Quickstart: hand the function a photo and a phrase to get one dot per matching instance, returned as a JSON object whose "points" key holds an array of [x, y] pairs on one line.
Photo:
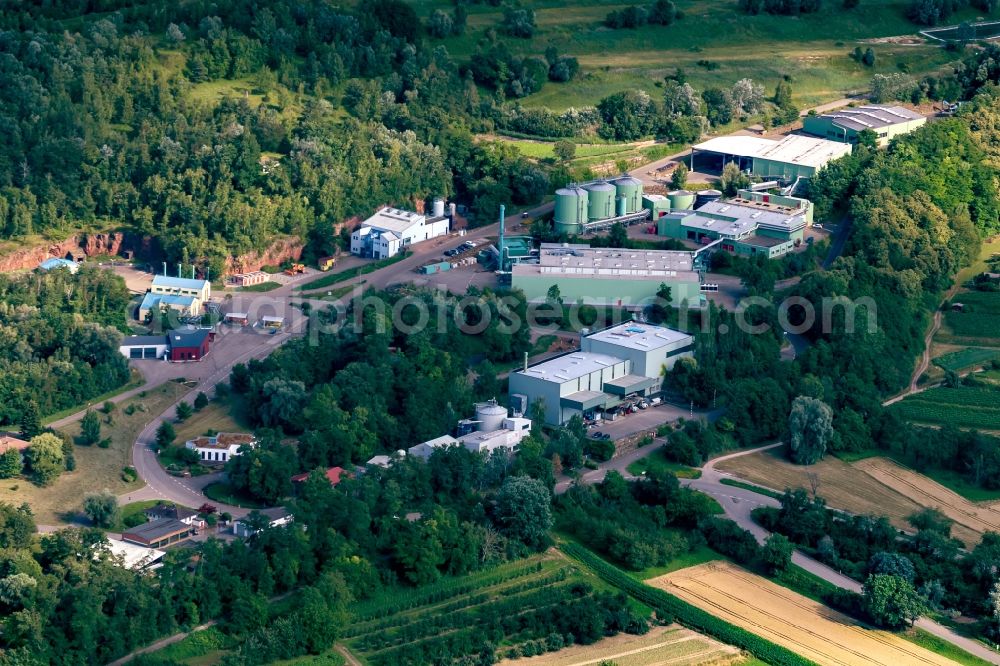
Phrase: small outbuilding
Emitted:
{"points": [[158, 533], [189, 345], [138, 347]]}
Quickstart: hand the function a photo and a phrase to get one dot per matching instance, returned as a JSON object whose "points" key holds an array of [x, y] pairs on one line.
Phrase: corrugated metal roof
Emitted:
{"points": [[178, 283]]}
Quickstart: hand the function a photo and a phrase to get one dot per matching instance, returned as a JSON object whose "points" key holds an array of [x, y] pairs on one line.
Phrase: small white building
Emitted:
{"points": [[391, 230], [509, 437], [276, 517], [220, 448], [385, 461], [55, 263], [136, 558], [425, 449], [144, 346]]}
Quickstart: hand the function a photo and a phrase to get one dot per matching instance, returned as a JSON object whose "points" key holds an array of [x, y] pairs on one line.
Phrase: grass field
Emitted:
{"points": [[662, 645], [807, 627], [843, 486], [96, 468], [224, 416], [976, 518], [657, 461], [751, 487], [544, 149], [812, 49], [263, 286], [962, 406], [943, 648]]}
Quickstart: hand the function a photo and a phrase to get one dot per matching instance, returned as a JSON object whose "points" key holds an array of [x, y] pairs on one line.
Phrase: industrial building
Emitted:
{"points": [[844, 125], [598, 204], [612, 365], [787, 160], [608, 276], [752, 223], [490, 429], [183, 295], [179, 345], [390, 231], [249, 279]]}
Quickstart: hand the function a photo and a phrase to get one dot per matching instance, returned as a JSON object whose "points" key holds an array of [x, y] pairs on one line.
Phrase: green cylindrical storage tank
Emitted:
{"points": [[631, 189], [601, 200], [622, 205], [681, 200], [571, 210]]}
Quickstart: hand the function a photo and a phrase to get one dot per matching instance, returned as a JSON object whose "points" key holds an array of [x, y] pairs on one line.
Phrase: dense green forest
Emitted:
{"points": [[59, 338]]}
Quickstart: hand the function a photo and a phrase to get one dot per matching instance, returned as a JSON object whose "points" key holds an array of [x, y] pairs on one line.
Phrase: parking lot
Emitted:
{"points": [[646, 419]]}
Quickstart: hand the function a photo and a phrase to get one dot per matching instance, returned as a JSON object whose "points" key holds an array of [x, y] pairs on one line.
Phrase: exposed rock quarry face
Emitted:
{"points": [[287, 249], [115, 243]]}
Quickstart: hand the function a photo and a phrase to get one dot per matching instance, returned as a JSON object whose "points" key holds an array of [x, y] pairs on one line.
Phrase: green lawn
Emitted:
{"points": [[226, 494], [657, 461], [931, 642], [812, 49], [263, 286], [335, 278], [699, 555], [751, 487], [544, 149]]}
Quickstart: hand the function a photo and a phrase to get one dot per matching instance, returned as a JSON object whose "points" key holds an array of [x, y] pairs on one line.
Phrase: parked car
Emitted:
{"points": [[598, 435], [655, 401]]}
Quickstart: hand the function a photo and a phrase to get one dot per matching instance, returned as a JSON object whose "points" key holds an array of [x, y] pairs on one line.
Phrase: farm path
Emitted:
{"points": [[738, 503]]}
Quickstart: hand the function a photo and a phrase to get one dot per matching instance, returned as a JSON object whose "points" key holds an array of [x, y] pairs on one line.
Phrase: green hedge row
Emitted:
{"points": [[671, 607]]}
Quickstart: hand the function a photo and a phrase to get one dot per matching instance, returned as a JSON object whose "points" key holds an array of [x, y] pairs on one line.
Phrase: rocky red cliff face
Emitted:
{"points": [[285, 249], [116, 243], [89, 245]]}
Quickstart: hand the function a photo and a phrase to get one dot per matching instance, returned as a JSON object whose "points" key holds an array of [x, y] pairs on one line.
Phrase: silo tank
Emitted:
{"points": [[622, 206], [706, 196], [439, 208], [601, 204], [570, 210], [490, 416], [631, 189], [681, 200]]}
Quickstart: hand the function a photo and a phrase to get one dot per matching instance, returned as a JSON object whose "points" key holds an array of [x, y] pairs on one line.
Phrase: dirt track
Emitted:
{"points": [[804, 626], [971, 519]]}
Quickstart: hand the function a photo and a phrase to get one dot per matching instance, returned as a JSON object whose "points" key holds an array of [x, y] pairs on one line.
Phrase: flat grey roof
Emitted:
{"points": [[804, 151], [570, 366], [763, 241], [143, 340], [156, 529], [751, 216], [640, 336], [872, 116], [608, 263]]}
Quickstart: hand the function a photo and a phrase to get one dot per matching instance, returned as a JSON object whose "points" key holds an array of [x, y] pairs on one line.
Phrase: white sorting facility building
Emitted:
{"points": [[391, 230]]}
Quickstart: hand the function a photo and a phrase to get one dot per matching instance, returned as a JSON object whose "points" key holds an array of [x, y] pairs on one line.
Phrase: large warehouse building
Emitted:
{"points": [[389, 231], [789, 159], [608, 276], [613, 364], [844, 125]]}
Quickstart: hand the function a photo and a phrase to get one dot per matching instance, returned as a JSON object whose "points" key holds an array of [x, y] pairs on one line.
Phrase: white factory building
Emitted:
{"points": [[489, 430], [613, 364], [391, 230]]}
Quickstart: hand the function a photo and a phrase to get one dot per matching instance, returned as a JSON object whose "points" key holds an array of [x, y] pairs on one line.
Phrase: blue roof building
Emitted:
{"points": [[54, 263], [184, 304]]}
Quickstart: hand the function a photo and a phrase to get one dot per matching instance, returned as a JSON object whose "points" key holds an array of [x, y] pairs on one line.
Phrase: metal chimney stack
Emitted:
{"points": [[500, 240]]}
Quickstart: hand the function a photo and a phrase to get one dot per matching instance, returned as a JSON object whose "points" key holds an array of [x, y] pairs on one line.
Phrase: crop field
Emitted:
{"points": [[840, 484], [976, 518], [672, 645], [96, 468], [962, 406], [450, 610], [966, 358], [812, 49], [804, 626]]}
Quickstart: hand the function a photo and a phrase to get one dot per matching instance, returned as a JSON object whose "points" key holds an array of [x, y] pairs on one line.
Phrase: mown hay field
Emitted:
{"points": [[802, 625]]}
